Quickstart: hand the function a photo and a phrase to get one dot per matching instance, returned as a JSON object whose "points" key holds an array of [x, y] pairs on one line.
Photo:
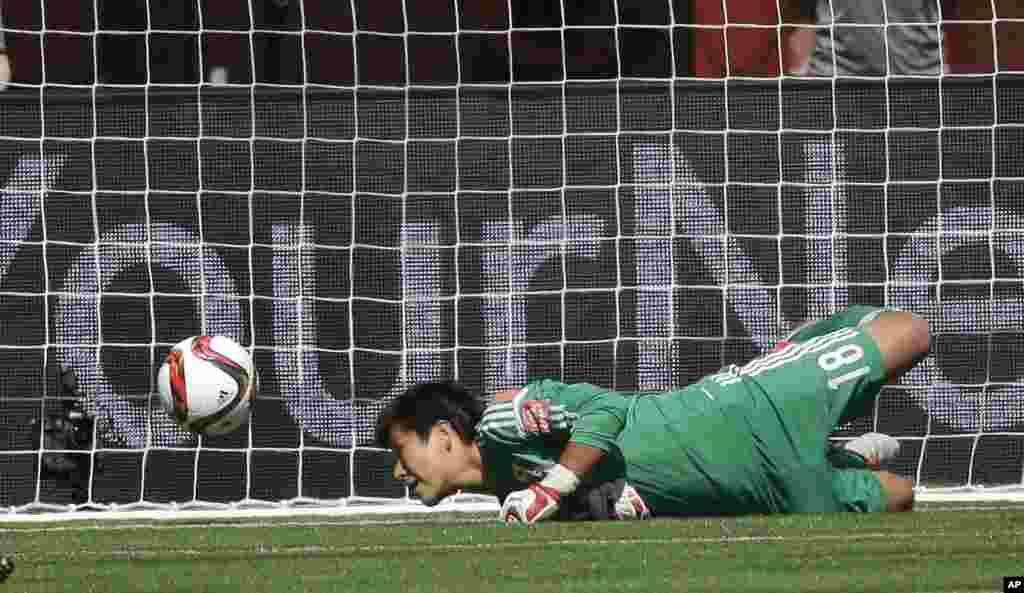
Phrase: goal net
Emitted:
{"points": [[372, 194]]}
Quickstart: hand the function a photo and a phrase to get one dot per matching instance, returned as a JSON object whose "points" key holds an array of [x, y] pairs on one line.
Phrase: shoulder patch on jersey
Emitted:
{"points": [[534, 416], [523, 415]]}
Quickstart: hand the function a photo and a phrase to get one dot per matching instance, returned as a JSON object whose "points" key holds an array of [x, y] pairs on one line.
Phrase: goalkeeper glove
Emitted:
{"points": [[630, 506], [614, 500], [541, 500], [536, 503]]}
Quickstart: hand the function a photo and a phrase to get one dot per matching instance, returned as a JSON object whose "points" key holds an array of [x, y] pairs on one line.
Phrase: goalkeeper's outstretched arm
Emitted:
{"points": [[600, 416], [541, 500], [600, 419]]}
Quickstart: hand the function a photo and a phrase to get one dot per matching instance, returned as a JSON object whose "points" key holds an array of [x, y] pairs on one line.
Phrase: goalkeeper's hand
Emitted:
{"points": [[541, 500], [536, 503]]}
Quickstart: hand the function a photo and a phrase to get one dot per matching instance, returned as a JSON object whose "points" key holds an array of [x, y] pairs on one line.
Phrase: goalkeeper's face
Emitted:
{"points": [[429, 467]]}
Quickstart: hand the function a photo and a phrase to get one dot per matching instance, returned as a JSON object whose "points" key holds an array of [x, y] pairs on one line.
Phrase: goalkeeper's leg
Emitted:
{"points": [[899, 491], [832, 378], [868, 451], [857, 492], [902, 340], [852, 316]]}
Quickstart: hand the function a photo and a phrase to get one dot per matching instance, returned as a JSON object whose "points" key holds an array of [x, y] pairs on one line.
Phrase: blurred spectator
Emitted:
{"points": [[120, 42], [866, 38], [739, 37], [5, 61], [973, 45], [272, 54]]}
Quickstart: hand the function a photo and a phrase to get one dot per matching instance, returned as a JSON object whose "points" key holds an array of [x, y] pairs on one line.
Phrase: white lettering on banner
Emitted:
{"points": [[655, 299], [171, 247], [916, 266], [667, 187], [916, 269], [658, 175], [296, 358], [503, 369], [825, 216], [503, 270], [424, 332], [21, 201]]}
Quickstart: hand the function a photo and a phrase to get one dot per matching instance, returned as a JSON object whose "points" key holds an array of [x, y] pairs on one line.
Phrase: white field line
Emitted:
{"points": [[187, 520], [171, 525], [355, 511], [144, 553], [360, 511]]}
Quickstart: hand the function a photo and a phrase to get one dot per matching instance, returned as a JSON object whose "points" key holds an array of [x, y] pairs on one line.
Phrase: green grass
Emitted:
{"points": [[949, 550]]}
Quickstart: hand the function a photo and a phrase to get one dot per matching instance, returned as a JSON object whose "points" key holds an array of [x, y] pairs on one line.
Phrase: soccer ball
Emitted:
{"points": [[207, 384]]}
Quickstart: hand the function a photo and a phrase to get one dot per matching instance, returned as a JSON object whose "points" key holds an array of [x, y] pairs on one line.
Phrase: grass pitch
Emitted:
{"points": [[934, 550]]}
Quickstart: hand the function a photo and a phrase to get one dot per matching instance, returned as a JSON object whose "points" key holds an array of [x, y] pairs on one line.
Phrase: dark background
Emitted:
{"points": [[411, 145], [187, 41], [768, 222]]}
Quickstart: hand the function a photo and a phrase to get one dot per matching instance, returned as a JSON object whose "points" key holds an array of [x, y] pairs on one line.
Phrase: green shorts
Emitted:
{"points": [[794, 399]]}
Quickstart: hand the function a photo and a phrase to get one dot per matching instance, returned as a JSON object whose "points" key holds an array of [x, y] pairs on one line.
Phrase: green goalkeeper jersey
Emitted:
{"points": [[748, 439]]}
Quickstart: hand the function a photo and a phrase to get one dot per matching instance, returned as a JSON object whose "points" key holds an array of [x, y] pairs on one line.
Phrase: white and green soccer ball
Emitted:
{"points": [[207, 384]]}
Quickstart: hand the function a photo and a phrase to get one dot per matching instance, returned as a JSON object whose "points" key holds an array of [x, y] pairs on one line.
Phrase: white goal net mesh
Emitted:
{"points": [[373, 193]]}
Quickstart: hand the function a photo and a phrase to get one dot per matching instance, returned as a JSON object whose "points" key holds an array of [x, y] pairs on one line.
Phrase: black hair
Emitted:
{"points": [[425, 404]]}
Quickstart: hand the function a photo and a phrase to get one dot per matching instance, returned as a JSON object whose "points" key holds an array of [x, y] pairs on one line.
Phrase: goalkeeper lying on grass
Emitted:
{"points": [[750, 439]]}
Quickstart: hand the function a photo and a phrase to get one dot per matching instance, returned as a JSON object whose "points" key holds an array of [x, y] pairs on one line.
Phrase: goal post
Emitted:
{"points": [[372, 194]]}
